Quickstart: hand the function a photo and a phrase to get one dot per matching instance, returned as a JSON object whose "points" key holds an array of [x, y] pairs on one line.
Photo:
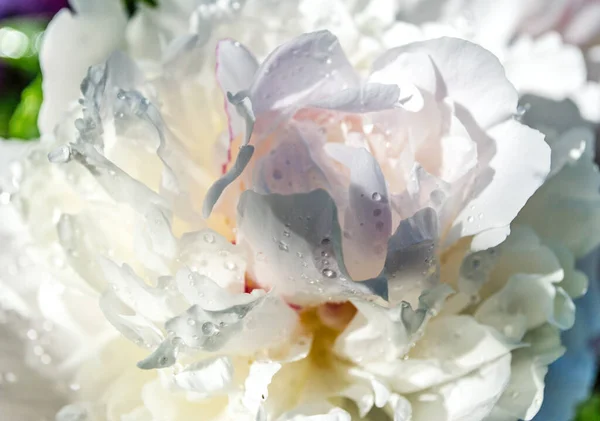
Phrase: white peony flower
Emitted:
{"points": [[336, 242]]}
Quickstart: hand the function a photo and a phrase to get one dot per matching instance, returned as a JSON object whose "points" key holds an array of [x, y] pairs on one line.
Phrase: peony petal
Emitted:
{"points": [[525, 391], [295, 74], [480, 86], [215, 191], [492, 209], [411, 265], [545, 66], [206, 377], [133, 326], [453, 401], [73, 43], [209, 254], [289, 167], [378, 333], [235, 70], [368, 219], [450, 348], [512, 311], [297, 243]]}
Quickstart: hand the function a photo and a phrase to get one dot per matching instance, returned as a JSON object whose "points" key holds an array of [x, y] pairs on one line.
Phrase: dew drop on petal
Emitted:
{"points": [[209, 238], [329, 273], [376, 197], [209, 329], [60, 155], [283, 246], [230, 265]]}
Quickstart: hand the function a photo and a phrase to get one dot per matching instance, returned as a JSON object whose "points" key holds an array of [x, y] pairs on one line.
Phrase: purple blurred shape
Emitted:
{"points": [[9, 8]]}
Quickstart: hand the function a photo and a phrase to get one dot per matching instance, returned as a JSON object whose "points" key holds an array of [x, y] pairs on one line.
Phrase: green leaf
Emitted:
{"points": [[589, 410], [132, 5], [23, 123], [21, 40]]}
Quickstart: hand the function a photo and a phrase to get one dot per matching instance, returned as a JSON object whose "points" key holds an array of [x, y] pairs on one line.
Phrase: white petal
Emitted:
{"points": [[368, 219], [206, 377], [296, 240], [73, 43], [451, 347], [215, 191], [504, 190], [480, 85], [524, 394], [513, 312], [379, 334], [469, 398], [294, 74], [209, 254], [411, 265], [235, 70]]}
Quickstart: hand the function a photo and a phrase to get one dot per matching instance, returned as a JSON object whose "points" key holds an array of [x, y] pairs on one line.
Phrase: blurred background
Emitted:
{"points": [[22, 25]]}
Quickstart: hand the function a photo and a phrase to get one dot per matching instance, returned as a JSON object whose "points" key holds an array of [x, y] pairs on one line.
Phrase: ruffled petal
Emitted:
{"points": [[70, 48], [296, 240], [480, 87]]}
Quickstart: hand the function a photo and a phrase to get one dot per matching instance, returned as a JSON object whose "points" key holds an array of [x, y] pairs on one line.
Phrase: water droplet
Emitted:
{"points": [[10, 377], [325, 241], [376, 197], [32, 334], [209, 329], [286, 233], [437, 197], [191, 322], [209, 238], [300, 255], [230, 265], [470, 219], [324, 253], [283, 246], [377, 212], [329, 273], [480, 216], [60, 155], [119, 114], [121, 94]]}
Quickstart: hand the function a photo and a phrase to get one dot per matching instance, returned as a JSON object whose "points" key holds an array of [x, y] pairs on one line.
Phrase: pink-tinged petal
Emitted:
{"points": [[289, 166], [215, 191], [368, 218], [308, 68], [235, 69], [364, 98], [503, 191], [465, 72], [585, 25], [296, 241]]}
